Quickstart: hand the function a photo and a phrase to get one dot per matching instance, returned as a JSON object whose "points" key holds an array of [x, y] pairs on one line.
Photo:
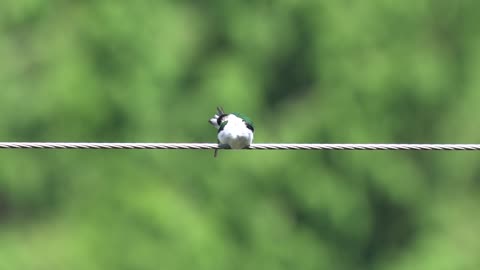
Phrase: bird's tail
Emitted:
{"points": [[214, 119]]}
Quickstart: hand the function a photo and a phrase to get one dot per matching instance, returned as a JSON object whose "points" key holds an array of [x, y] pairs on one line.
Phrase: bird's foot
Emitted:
{"points": [[224, 146]]}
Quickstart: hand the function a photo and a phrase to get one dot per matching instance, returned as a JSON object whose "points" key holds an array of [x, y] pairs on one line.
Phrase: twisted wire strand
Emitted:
{"points": [[258, 146]]}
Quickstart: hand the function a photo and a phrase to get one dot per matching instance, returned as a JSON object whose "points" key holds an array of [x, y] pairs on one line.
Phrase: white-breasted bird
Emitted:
{"points": [[235, 130]]}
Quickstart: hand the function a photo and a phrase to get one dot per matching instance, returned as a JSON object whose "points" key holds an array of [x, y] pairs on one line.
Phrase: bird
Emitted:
{"points": [[235, 130]]}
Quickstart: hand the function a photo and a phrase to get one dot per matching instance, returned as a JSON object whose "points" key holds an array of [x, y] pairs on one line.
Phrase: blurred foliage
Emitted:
{"points": [[304, 71]]}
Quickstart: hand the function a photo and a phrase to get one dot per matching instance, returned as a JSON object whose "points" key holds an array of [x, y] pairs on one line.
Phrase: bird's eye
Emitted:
{"points": [[221, 119]]}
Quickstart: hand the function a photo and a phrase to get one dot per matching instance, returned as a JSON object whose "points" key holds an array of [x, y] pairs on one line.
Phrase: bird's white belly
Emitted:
{"points": [[236, 137]]}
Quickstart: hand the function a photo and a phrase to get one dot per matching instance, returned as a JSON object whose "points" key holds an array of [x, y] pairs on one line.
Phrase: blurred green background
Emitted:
{"points": [[305, 72]]}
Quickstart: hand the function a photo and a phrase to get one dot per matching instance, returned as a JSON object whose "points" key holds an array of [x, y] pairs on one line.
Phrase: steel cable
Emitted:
{"points": [[257, 146]]}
